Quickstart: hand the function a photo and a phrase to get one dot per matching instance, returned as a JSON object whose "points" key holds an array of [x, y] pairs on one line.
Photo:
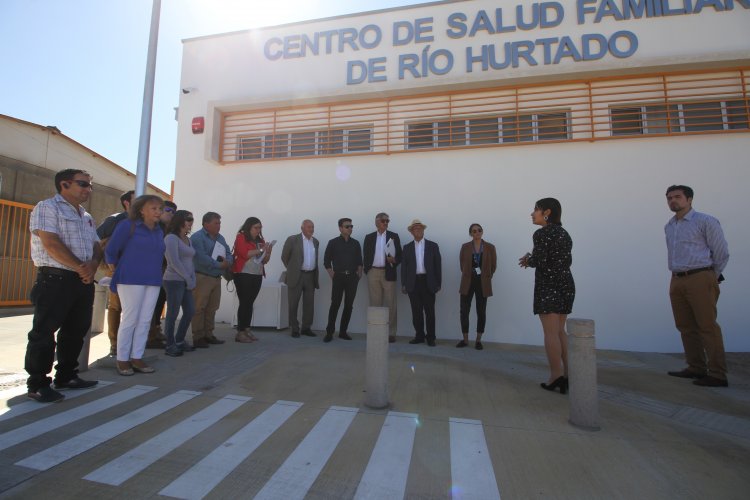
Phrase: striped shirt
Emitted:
{"points": [[75, 228], [694, 242]]}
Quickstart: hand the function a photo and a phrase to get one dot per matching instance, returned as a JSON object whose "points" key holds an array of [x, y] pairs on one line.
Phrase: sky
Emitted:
{"points": [[80, 65]]}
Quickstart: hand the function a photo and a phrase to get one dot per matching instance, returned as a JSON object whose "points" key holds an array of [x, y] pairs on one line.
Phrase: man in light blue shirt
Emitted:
{"points": [[697, 255], [212, 258]]}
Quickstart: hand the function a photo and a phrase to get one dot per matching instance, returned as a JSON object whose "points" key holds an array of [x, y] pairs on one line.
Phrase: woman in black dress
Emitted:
{"points": [[554, 288]]}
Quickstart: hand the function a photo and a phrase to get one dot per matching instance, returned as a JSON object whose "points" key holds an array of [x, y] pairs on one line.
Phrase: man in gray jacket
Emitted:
{"points": [[300, 256]]}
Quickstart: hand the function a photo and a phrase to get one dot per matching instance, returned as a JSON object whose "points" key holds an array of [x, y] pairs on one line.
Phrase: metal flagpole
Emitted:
{"points": [[144, 143]]}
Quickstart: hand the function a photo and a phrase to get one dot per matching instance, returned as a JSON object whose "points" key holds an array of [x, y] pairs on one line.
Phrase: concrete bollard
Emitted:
{"points": [[97, 325], [583, 396], [83, 357], [376, 365]]}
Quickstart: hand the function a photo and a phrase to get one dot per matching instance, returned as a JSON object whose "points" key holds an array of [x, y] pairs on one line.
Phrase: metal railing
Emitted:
{"points": [[667, 104], [17, 271]]}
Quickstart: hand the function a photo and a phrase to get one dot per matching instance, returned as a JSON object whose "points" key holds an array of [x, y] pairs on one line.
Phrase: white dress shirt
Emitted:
{"points": [[419, 250], [308, 248], [379, 258]]}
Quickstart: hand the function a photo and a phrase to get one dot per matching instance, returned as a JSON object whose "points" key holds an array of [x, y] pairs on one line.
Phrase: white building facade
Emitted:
{"points": [[470, 111]]}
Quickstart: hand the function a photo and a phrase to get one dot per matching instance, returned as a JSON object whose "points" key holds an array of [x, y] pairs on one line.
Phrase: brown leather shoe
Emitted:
{"points": [[686, 373], [242, 337], [201, 343], [214, 340], [709, 381]]}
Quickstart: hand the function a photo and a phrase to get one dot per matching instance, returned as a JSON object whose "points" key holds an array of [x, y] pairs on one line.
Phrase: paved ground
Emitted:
{"points": [[284, 418]]}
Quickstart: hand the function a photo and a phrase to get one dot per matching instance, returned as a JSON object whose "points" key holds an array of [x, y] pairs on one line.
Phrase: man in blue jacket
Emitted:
{"points": [[212, 258]]}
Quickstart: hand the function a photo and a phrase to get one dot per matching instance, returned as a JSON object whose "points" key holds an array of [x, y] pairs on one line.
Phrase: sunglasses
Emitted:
{"points": [[83, 184], [476, 230], [169, 210], [348, 227], [385, 221], [189, 219]]}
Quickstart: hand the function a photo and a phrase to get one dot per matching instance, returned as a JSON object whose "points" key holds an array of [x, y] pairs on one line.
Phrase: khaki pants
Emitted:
{"points": [[207, 295], [383, 294], [694, 299]]}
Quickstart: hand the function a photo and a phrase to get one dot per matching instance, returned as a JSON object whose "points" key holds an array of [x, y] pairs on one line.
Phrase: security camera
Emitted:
{"points": [[187, 90]]}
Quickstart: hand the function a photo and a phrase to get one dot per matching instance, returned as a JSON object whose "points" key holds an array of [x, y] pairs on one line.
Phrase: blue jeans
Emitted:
{"points": [[177, 296]]}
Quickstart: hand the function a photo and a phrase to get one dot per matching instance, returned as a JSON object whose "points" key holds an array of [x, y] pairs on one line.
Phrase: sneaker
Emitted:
{"points": [[46, 394], [75, 383]]}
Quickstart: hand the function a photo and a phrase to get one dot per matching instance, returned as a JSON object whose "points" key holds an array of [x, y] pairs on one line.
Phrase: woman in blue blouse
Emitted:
{"points": [[135, 252], [179, 280]]}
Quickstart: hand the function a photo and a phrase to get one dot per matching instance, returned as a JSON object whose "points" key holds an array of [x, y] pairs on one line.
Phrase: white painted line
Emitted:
{"points": [[472, 475], [71, 416], [199, 480], [26, 407], [128, 465], [388, 468], [295, 476], [66, 450]]}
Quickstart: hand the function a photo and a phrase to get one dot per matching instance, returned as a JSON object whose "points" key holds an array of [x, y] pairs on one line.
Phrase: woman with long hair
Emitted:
{"points": [[136, 251], [179, 280], [554, 288], [250, 255], [478, 262]]}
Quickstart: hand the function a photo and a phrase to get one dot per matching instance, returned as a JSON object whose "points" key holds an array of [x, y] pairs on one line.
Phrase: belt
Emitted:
{"points": [[682, 274], [377, 267], [57, 271], [303, 271], [345, 273]]}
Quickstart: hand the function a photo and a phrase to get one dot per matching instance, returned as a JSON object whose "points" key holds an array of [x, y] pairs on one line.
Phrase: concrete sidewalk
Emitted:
{"points": [[284, 418]]}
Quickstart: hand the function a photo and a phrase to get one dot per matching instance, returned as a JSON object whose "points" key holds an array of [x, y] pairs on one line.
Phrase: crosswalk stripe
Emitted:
{"points": [[126, 466], [472, 474], [26, 407], [388, 468], [295, 476], [66, 450], [203, 477], [71, 416]]}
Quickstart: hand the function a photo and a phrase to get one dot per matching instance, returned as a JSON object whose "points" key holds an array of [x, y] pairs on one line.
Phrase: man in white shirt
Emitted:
{"points": [[300, 257], [380, 265], [421, 279]]}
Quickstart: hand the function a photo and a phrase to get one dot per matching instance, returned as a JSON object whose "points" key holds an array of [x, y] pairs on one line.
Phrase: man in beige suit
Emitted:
{"points": [[300, 256]]}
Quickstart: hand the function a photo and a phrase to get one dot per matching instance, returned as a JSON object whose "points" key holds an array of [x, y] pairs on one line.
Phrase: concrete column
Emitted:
{"points": [[376, 365], [83, 357], [583, 396], [97, 325]]}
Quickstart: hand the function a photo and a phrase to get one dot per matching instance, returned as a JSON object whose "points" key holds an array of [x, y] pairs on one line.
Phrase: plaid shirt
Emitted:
{"points": [[75, 228]]}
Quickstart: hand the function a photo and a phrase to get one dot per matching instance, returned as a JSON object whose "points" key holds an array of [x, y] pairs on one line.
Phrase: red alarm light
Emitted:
{"points": [[198, 125]]}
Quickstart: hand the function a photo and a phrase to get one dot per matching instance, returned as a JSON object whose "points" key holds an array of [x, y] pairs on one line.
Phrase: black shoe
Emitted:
{"points": [[461, 343], [295, 335], [76, 383], [174, 352], [344, 336], [308, 333], [709, 381], [478, 345], [214, 340], [328, 337], [416, 341], [186, 347], [391, 339], [686, 373], [46, 394], [201, 343], [431, 342], [559, 382]]}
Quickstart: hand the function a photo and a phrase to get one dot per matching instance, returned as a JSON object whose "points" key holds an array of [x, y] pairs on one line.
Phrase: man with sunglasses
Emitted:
{"points": [[382, 255], [65, 249], [343, 261], [104, 231], [156, 339]]}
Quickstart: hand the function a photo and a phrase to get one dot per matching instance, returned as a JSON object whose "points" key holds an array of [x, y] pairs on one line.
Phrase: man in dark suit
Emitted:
{"points": [[382, 251], [300, 256], [343, 261], [421, 278]]}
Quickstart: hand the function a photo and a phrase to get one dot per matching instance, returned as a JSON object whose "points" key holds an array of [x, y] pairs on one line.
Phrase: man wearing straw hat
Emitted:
{"points": [[421, 278]]}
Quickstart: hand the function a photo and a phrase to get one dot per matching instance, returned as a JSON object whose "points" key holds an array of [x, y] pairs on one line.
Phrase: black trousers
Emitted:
{"points": [[422, 308], [474, 289], [248, 288], [344, 286], [61, 302]]}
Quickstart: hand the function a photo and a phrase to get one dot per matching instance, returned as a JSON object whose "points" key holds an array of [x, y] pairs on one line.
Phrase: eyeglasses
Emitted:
{"points": [[348, 227], [84, 184], [476, 230], [385, 221], [189, 219], [169, 210]]}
